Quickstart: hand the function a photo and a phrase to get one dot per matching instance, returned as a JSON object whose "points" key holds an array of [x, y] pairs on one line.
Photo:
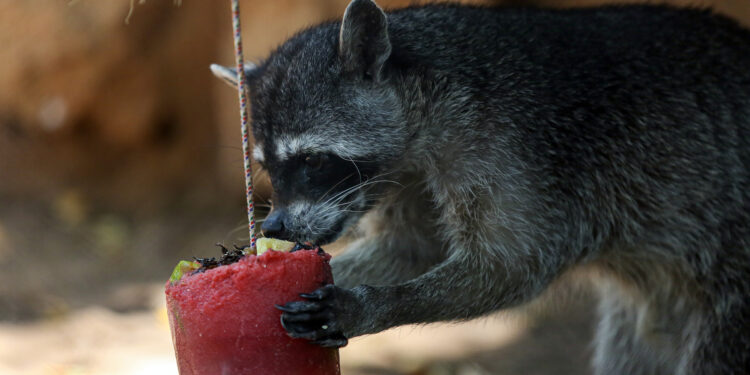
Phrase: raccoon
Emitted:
{"points": [[484, 153]]}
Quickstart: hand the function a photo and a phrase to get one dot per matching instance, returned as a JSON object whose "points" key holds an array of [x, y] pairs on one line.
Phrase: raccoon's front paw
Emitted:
{"points": [[319, 317]]}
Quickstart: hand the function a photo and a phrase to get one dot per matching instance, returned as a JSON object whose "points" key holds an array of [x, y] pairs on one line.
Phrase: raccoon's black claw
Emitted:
{"points": [[317, 318], [332, 343], [300, 307], [318, 295]]}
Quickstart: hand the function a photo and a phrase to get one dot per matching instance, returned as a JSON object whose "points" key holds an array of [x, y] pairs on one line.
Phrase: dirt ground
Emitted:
{"points": [[98, 340]]}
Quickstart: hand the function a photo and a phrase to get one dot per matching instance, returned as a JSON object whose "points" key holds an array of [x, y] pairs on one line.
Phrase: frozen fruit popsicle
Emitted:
{"points": [[223, 318]]}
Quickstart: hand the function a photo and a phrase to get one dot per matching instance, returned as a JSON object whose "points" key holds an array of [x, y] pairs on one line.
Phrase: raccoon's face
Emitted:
{"points": [[327, 124], [317, 195]]}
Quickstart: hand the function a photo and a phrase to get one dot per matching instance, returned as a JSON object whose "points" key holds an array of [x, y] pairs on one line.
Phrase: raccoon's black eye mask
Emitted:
{"points": [[316, 161]]}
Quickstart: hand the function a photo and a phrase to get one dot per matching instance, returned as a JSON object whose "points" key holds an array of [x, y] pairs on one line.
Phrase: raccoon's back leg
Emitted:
{"points": [[723, 342], [626, 341]]}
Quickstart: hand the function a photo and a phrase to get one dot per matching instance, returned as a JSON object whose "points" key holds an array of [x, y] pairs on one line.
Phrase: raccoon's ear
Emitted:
{"points": [[364, 45], [229, 75]]}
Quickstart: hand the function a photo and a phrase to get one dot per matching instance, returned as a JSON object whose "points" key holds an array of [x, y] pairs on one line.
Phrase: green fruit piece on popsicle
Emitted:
{"points": [[264, 244], [183, 268]]}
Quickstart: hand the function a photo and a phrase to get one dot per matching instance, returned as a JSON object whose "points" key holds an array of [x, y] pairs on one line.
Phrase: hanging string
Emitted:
{"points": [[243, 115]]}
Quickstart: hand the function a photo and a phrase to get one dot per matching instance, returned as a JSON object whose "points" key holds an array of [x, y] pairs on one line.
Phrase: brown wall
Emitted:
{"points": [[128, 115]]}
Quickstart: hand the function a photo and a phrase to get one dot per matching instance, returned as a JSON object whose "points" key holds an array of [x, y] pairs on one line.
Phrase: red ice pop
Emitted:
{"points": [[223, 320]]}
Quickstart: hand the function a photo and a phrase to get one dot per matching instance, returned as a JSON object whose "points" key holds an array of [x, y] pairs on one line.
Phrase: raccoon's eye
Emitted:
{"points": [[315, 161]]}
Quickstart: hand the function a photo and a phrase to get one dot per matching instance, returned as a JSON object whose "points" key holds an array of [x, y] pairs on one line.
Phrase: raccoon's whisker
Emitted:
{"points": [[340, 196], [346, 204], [334, 203], [376, 177], [309, 227], [234, 231], [364, 183], [357, 186], [258, 171], [328, 212], [262, 202], [333, 187], [356, 167], [354, 211]]}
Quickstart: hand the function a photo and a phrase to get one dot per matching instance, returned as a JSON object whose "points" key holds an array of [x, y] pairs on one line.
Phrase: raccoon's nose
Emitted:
{"points": [[274, 224]]}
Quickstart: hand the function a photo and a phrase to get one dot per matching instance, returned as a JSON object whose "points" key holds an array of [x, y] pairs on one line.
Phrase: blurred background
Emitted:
{"points": [[120, 154]]}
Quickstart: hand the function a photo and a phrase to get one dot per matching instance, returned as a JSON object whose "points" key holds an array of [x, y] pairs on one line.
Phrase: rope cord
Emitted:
{"points": [[244, 116]]}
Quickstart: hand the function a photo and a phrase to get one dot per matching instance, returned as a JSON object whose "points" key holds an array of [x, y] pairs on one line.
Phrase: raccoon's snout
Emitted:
{"points": [[274, 225]]}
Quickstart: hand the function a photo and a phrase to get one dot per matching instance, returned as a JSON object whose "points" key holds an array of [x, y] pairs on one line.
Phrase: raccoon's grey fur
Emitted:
{"points": [[494, 150]]}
